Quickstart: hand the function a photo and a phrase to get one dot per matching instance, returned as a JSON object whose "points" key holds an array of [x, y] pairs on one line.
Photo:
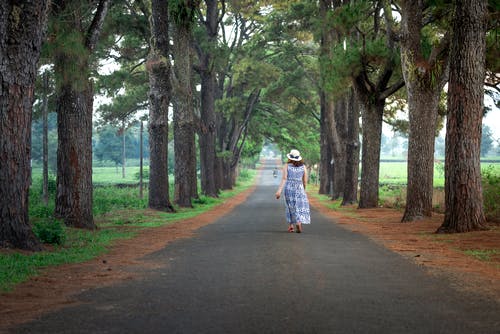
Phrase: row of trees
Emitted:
{"points": [[296, 73]]}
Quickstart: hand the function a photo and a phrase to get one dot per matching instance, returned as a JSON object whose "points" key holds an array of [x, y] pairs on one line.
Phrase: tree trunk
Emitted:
{"points": [[422, 111], [207, 133], [21, 33], [424, 80], [220, 146], [339, 155], [141, 161], [160, 89], [184, 128], [74, 155], [45, 112], [352, 152], [463, 190], [371, 115], [124, 155], [74, 108], [333, 143], [325, 156], [219, 173], [227, 175], [327, 159]]}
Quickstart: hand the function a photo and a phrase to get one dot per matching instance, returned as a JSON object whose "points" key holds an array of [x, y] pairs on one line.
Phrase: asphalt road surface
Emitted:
{"points": [[246, 274]]}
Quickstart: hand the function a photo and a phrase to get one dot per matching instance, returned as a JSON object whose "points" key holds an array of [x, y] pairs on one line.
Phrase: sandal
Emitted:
{"points": [[299, 229], [290, 229]]}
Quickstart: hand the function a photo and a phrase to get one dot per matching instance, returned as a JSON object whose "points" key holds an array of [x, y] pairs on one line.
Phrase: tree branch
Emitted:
{"points": [[96, 26], [391, 90]]}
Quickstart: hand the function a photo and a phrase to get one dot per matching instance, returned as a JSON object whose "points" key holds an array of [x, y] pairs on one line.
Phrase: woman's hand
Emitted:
{"points": [[278, 194]]}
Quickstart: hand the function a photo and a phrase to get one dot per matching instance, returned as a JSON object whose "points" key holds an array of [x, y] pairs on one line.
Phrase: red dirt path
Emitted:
{"points": [[441, 254]]}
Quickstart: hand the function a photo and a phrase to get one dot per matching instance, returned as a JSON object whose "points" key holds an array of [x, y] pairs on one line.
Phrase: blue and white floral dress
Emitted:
{"points": [[297, 204]]}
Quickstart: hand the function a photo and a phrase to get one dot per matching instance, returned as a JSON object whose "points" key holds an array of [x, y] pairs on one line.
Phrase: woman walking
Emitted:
{"points": [[294, 180]]}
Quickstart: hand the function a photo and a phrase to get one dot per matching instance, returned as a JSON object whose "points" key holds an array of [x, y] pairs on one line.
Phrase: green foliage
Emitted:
{"points": [[37, 140], [145, 174], [111, 198], [250, 154], [125, 46], [108, 144], [246, 175], [65, 45], [439, 168], [339, 67], [491, 192], [252, 74], [492, 37], [183, 12], [231, 106], [345, 17], [204, 200], [50, 232], [486, 140]]}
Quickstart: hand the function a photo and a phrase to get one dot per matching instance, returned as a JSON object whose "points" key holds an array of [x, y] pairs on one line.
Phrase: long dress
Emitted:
{"points": [[297, 204]]}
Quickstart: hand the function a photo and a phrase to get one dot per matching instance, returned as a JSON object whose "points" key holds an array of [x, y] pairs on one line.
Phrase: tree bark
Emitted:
{"points": [[207, 135], [327, 159], [352, 152], [207, 131], [124, 151], [75, 98], [45, 121], [184, 127], [74, 155], [422, 111], [463, 190], [339, 144], [159, 97], [141, 162], [424, 80], [325, 153], [371, 115], [22, 29]]}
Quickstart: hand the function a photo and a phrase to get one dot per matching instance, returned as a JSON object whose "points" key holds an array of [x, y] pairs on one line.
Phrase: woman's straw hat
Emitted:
{"points": [[294, 155]]}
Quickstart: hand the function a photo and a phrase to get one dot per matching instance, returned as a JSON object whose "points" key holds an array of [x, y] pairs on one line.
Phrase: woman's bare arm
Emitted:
{"points": [[304, 177], [283, 180]]}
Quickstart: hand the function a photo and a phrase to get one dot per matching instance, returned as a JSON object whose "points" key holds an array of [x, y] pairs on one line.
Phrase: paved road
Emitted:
{"points": [[246, 274]]}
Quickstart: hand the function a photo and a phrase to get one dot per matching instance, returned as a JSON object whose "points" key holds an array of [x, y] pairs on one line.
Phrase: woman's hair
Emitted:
{"points": [[295, 163]]}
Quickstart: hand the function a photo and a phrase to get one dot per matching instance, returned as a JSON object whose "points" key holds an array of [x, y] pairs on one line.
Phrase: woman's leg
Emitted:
{"points": [[299, 227]]}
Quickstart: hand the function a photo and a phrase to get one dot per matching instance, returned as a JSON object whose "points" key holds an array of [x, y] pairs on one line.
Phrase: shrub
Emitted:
{"points": [[245, 175], [491, 193], [50, 231], [145, 174]]}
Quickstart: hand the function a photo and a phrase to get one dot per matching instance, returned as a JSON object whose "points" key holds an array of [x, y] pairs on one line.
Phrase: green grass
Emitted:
{"points": [[80, 246], [396, 172], [107, 175], [483, 255], [118, 213]]}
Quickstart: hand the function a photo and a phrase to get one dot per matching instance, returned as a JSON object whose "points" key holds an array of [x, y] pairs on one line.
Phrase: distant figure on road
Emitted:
{"points": [[294, 180], [275, 172]]}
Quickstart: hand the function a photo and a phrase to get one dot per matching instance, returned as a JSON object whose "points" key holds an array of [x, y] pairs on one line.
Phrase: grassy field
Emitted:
{"points": [[396, 172], [107, 175]]}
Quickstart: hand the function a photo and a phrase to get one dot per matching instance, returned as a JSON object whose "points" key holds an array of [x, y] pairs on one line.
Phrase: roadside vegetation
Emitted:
{"points": [[392, 194], [118, 213], [392, 191]]}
